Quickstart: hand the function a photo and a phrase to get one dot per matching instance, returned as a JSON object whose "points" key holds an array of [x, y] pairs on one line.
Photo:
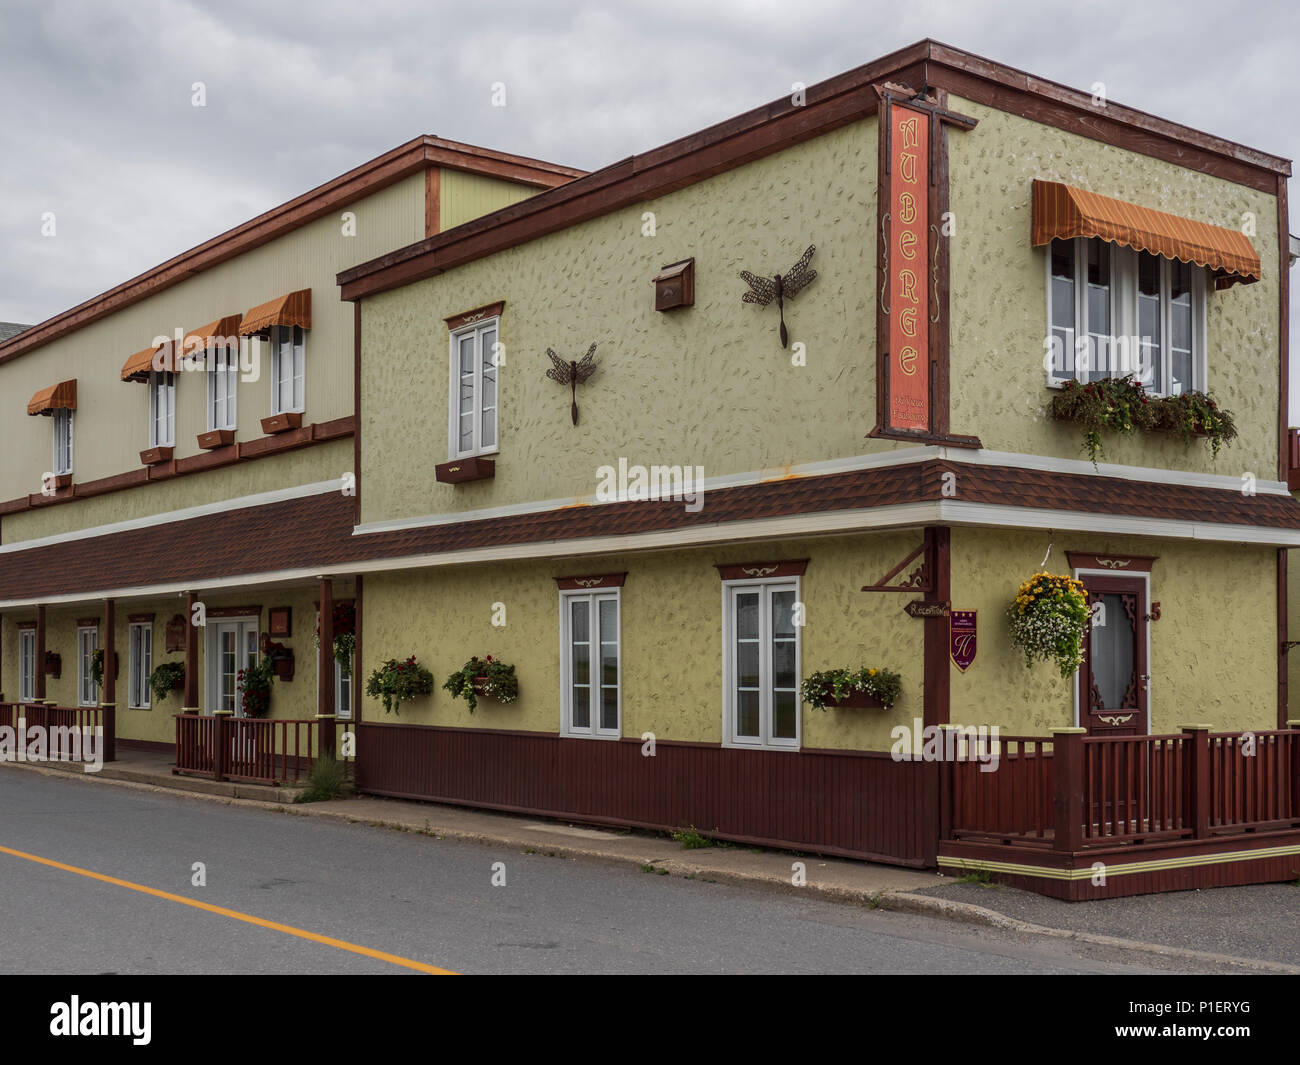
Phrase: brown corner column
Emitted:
{"points": [[108, 692], [935, 707], [38, 689], [191, 654], [325, 715], [1283, 696]]}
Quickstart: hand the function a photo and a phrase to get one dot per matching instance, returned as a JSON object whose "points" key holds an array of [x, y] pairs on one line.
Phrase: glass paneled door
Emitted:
{"points": [[1113, 680], [232, 646]]}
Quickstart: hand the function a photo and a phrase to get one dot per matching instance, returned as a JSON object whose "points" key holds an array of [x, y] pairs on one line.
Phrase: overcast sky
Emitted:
{"points": [[97, 123]]}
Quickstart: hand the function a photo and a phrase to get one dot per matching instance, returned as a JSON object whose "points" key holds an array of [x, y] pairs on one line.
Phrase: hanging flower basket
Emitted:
{"points": [[255, 687], [485, 677], [344, 617], [1049, 619], [396, 682], [846, 688], [166, 678]]}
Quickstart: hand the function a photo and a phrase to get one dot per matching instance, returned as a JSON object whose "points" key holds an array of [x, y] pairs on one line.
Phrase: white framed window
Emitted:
{"points": [[139, 650], [62, 441], [288, 359], [343, 689], [473, 407], [591, 675], [223, 377], [162, 409], [87, 689], [1129, 312], [761, 664], [26, 665]]}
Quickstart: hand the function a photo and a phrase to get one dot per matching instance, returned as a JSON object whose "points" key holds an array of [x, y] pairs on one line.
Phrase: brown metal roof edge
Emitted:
{"points": [[381, 273], [414, 156]]}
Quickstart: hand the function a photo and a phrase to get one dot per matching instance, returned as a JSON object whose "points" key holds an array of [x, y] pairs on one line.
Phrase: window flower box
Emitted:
{"points": [[876, 689], [215, 438], [460, 470], [488, 678], [281, 423], [854, 701], [53, 664], [154, 456]]}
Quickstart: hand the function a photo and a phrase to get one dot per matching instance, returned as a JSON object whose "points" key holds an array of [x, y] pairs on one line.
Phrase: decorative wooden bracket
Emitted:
{"points": [[916, 581]]}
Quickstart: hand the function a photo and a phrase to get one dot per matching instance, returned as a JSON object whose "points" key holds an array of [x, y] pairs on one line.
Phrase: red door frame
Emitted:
{"points": [[1093, 718]]}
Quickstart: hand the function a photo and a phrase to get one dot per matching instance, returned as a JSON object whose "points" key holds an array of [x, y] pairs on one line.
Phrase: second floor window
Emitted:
{"points": [[474, 389], [1114, 311], [162, 409], [62, 441], [223, 375], [288, 345]]}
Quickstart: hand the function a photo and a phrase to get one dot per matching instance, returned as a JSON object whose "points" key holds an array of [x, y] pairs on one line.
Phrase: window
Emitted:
{"points": [[1128, 312], [62, 441], [590, 664], [760, 654], [223, 375], [139, 665], [87, 689], [26, 665], [162, 409], [343, 690], [474, 390], [287, 350]]}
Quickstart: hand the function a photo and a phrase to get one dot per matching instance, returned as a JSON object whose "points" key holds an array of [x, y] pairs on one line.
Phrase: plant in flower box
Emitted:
{"points": [[397, 682], [1049, 619], [344, 617], [851, 688], [97, 666], [255, 686], [1192, 414], [166, 678], [483, 676]]}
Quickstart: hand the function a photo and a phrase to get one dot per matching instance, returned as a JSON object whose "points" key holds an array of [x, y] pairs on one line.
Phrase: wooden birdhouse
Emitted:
{"points": [[675, 286]]}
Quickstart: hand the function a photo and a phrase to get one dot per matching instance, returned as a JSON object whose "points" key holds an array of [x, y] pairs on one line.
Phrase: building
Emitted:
{"points": [[755, 470]]}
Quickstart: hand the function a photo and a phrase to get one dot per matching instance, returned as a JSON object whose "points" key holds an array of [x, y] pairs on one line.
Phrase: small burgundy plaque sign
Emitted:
{"points": [[962, 631]]}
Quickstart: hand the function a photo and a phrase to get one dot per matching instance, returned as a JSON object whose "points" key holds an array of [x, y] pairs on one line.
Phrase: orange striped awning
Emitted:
{"points": [[62, 396], [293, 309], [140, 365], [1062, 211], [226, 326]]}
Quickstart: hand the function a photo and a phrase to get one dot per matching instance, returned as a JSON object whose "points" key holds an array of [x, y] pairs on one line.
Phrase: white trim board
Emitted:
{"points": [[947, 512]]}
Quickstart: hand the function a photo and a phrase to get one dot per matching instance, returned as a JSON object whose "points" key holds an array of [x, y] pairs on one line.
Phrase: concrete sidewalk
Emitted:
{"points": [[1159, 918]]}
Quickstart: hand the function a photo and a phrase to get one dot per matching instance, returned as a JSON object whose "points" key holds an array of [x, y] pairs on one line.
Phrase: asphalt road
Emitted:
{"points": [[420, 901]]}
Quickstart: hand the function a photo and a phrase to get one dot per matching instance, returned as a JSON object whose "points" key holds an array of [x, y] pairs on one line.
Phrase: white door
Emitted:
{"points": [[232, 646]]}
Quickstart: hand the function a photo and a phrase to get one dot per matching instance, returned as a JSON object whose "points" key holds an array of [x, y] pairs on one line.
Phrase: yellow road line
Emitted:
{"points": [[261, 922]]}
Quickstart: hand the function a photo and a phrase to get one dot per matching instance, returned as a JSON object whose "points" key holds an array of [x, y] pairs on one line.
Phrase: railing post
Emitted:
{"points": [[109, 741], [1067, 750], [1198, 779], [220, 743], [1294, 762]]}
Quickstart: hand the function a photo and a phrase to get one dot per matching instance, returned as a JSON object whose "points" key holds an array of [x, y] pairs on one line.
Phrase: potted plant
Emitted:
{"points": [[255, 686], [395, 682], [864, 687], [1196, 414], [1049, 619], [488, 677], [281, 657], [165, 678], [344, 617], [53, 664]]}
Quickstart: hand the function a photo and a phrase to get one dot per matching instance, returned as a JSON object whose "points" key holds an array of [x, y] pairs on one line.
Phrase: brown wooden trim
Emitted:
{"points": [[144, 745], [1284, 331], [1283, 559], [215, 438], [88, 623], [154, 456], [432, 200], [281, 423], [884, 124], [316, 433], [413, 157], [356, 410], [478, 314], [1116, 563], [936, 699], [741, 571], [458, 471], [358, 689], [591, 581], [25, 624], [38, 687], [971, 443], [139, 619], [253, 610]]}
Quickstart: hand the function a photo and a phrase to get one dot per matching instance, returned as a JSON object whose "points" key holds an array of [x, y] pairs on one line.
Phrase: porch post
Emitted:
{"points": [[191, 655], [38, 690], [1198, 779], [325, 715], [1067, 751], [935, 709], [108, 694]]}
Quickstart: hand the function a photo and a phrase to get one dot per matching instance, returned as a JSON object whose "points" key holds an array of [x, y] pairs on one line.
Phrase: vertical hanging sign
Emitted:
{"points": [[908, 234]]}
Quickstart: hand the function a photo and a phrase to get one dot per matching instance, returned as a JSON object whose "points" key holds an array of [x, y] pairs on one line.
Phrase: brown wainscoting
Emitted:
{"points": [[147, 745], [858, 804]]}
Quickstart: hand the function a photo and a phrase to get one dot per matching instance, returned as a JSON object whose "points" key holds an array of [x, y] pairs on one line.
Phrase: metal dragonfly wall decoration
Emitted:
{"points": [[572, 373], [762, 290]]}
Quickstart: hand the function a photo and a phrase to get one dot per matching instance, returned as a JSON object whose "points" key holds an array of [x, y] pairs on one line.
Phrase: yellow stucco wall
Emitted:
{"points": [[708, 385], [1213, 656], [999, 294]]}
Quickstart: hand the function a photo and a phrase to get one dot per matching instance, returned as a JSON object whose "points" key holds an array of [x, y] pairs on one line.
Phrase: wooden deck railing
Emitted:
{"points": [[60, 722], [1072, 792], [260, 751]]}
